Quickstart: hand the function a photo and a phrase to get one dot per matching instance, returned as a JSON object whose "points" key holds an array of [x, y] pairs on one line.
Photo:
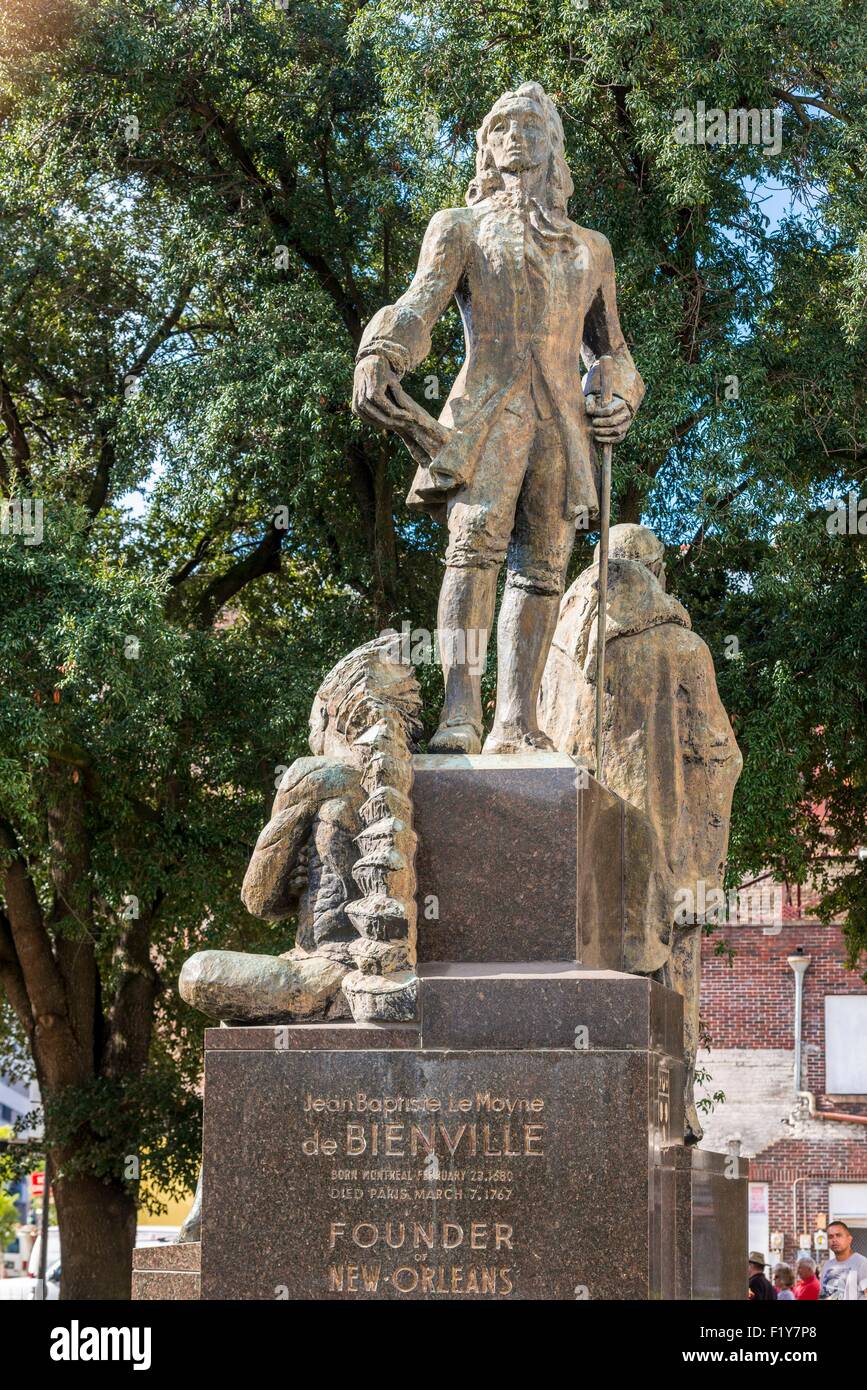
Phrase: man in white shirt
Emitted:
{"points": [[845, 1276]]}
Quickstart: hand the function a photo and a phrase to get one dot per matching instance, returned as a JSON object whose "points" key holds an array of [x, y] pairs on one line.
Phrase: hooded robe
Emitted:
{"points": [[668, 747]]}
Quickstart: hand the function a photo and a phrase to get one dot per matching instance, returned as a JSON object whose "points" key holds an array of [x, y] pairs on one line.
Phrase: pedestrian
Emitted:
{"points": [[761, 1287], [807, 1287], [784, 1282], [844, 1276]]}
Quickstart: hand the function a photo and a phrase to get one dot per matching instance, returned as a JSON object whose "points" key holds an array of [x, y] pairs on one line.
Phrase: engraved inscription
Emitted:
{"points": [[462, 1151]]}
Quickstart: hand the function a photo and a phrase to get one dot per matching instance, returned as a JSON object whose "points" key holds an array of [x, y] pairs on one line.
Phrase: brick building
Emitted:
{"points": [[807, 1157]]}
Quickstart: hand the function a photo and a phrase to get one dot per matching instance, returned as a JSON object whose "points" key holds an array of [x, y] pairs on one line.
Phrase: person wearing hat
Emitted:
{"points": [[761, 1287]]}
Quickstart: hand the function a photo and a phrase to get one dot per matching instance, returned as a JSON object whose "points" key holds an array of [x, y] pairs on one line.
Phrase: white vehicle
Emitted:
{"points": [[28, 1288], [53, 1251], [157, 1235]]}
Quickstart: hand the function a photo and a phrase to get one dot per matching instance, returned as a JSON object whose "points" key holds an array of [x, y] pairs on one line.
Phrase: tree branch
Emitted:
{"points": [[12, 978], [160, 334], [17, 437], [102, 477], [332, 208], [199, 554], [264, 559], [686, 425], [349, 311], [55, 1047], [687, 556], [71, 920], [799, 101], [130, 1020]]}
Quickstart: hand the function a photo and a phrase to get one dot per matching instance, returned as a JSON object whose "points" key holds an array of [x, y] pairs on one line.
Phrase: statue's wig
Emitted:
{"points": [[558, 186]]}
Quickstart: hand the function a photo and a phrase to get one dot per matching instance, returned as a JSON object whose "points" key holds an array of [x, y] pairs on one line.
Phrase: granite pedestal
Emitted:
{"points": [[521, 1140], [712, 1223], [492, 1168], [519, 858]]}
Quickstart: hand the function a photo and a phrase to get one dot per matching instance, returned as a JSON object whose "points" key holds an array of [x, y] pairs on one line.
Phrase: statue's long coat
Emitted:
{"points": [[535, 292]]}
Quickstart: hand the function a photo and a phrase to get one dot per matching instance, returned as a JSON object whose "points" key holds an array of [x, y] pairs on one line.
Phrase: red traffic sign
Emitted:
{"points": [[37, 1185]]}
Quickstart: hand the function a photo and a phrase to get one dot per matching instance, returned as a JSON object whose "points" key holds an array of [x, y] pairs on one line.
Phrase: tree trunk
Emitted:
{"points": [[385, 542], [373, 492], [98, 1224], [630, 502]]}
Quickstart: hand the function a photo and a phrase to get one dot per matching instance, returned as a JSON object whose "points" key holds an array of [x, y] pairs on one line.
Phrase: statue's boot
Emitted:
{"points": [[524, 632], [245, 988], [514, 741], [456, 736], [465, 615]]}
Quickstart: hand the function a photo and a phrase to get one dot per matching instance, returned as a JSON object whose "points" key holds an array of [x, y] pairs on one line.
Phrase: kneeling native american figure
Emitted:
{"points": [[339, 845]]}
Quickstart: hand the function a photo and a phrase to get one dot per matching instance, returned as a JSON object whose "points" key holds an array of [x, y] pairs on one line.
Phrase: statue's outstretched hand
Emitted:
{"points": [[608, 423], [374, 376], [379, 397]]}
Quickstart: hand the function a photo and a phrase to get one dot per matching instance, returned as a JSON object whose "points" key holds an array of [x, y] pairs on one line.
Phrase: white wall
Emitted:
{"points": [[846, 1044], [847, 1201], [15, 1098]]}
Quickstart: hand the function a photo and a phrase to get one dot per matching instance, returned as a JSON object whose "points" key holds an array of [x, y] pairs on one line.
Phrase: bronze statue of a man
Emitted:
{"points": [[509, 465]]}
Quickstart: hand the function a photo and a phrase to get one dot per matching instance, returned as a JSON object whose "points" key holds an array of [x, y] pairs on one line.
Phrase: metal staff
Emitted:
{"points": [[603, 394]]}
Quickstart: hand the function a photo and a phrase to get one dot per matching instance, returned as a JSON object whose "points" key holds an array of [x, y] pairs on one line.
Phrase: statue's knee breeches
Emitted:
{"points": [[538, 558], [481, 516], [478, 534], [542, 536], [536, 579], [473, 552]]}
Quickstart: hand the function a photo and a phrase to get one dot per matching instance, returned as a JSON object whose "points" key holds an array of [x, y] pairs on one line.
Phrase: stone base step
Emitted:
{"points": [[545, 1004]]}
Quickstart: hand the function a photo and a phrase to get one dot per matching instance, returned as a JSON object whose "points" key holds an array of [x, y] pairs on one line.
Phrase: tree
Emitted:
{"points": [[200, 208]]}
